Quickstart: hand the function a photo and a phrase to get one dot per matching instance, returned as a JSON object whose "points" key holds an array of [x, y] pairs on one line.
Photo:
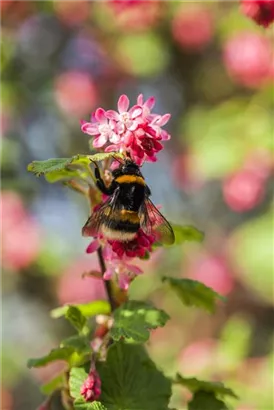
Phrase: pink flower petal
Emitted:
{"points": [[99, 141], [112, 115], [150, 103], [88, 128], [134, 269], [112, 147], [93, 246], [128, 138], [124, 281], [120, 128], [123, 103], [132, 125], [114, 138], [165, 136], [162, 120], [157, 146], [151, 158], [135, 111], [108, 274], [140, 99], [100, 115]]}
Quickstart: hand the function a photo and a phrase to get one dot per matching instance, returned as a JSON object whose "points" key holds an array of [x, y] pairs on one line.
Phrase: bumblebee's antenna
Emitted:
{"points": [[117, 159]]}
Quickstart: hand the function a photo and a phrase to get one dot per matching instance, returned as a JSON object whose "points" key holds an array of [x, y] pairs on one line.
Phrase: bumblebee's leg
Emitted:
{"points": [[100, 182]]}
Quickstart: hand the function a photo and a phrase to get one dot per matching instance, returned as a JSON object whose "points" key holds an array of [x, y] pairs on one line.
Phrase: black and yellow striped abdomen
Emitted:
{"points": [[122, 225], [124, 222]]}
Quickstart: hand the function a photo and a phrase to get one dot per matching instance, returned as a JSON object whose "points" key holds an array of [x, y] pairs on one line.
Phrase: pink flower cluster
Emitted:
{"points": [[138, 247], [91, 388], [118, 256], [134, 130]]}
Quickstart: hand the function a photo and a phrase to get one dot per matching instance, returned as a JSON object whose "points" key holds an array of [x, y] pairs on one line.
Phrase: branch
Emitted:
{"points": [[107, 283]]}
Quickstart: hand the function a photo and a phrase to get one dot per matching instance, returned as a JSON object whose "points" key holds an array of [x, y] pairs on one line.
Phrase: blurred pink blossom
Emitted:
{"points": [[243, 190], [72, 288], [192, 27], [261, 11], [6, 399], [198, 357], [75, 93], [45, 374], [247, 58], [213, 271], [21, 236], [73, 12], [133, 130], [136, 15]]}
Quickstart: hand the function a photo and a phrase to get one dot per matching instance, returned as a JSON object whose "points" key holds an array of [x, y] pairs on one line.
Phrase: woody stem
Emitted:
{"points": [[107, 283]]}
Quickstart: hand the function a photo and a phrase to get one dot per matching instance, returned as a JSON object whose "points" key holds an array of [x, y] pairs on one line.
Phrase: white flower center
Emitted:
{"points": [[104, 129], [125, 116]]}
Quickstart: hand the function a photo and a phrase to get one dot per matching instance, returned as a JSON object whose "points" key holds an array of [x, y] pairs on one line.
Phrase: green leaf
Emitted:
{"points": [[81, 404], [64, 174], [134, 319], [195, 385], [99, 307], [194, 293], [78, 343], [61, 353], [187, 233], [76, 318], [50, 165], [54, 384], [206, 401], [130, 380], [56, 165], [76, 378]]}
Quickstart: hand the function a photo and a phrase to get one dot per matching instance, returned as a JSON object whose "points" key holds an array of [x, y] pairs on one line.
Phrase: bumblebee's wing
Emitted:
{"points": [[152, 221], [94, 222]]}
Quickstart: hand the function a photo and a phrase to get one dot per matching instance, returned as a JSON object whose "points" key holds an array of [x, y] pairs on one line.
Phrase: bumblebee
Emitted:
{"points": [[128, 208]]}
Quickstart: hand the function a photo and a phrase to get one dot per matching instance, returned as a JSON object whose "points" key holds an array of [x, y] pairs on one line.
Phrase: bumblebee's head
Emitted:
{"points": [[129, 167]]}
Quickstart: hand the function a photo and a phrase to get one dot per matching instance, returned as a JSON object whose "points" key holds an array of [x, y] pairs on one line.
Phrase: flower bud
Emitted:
{"points": [[91, 388]]}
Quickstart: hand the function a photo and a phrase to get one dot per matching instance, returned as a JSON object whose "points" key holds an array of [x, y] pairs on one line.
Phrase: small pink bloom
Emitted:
{"points": [[91, 388], [261, 11], [125, 120], [101, 128], [123, 271]]}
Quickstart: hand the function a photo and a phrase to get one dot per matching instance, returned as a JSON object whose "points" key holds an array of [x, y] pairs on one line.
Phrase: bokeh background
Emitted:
{"points": [[210, 67]]}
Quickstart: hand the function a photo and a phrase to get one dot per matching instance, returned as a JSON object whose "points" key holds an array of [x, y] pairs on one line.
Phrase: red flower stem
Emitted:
{"points": [[106, 282]]}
